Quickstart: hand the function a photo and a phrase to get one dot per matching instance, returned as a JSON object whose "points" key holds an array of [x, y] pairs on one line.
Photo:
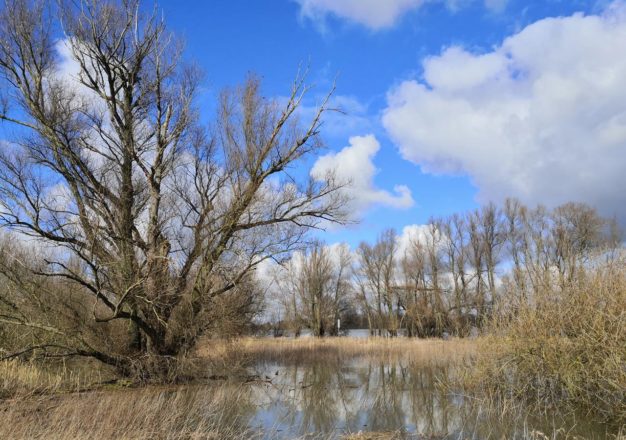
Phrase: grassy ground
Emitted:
{"points": [[24, 379]]}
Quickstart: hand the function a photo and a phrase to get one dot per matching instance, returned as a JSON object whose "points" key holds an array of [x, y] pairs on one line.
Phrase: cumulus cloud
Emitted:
{"points": [[354, 164], [541, 117], [377, 14]]}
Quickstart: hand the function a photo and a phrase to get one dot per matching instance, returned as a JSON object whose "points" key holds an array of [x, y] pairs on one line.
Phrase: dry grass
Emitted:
{"points": [[23, 379], [396, 435], [566, 349], [223, 410], [247, 351], [19, 379], [147, 413]]}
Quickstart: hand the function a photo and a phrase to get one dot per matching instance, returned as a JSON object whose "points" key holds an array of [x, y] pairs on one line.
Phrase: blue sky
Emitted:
{"points": [[445, 65]]}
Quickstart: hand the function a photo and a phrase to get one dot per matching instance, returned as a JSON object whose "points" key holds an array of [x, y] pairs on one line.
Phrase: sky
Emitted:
{"points": [[447, 104]]}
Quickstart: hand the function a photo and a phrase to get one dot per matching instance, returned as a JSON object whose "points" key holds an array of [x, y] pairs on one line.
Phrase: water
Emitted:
{"points": [[318, 394], [327, 400], [361, 333]]}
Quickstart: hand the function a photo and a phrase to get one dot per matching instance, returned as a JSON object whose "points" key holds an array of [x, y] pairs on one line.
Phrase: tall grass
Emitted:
{"points": [[146, 413], [249, 351], [23, 379], [20, 378], [226, 409], [564, 347]]}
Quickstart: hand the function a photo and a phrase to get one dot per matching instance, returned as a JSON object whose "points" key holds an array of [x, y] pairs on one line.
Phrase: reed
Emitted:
{"points": [[145, 413], [565, 348], [249, 351], [23, 379]]}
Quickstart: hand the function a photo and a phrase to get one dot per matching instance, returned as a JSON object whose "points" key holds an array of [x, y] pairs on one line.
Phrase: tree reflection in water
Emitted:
{"points": [[331, 398]]}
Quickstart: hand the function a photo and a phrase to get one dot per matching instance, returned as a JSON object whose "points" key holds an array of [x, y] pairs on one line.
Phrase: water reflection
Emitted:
{"points": [[328, 399]]}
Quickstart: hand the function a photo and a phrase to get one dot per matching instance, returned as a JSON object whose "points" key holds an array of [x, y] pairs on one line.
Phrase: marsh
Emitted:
{"points": [[307, 388]]}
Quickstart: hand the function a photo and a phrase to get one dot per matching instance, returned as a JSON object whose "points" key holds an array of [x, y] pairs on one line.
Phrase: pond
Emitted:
{"points": [[329, 400], [314, 390], [361, 333]]}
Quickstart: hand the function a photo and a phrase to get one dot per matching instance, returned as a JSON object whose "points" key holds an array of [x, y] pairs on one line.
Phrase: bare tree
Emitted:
{"points": [[342, 286], [514, 214], [476, 258], [415, 289], [537, 248], [316, 285], [434, 251], [456, 249], [577, 229], [363, 295], [492, 239], [156, 215], [378, 272]]}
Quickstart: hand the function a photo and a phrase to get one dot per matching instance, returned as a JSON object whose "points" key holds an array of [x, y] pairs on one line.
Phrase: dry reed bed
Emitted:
{"points": [[24, 379], [565, 350], [19, 378], [147, 413], [249, 351]]}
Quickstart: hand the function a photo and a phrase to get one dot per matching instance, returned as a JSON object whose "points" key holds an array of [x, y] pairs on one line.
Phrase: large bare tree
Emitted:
{"points": [[153, 215]]}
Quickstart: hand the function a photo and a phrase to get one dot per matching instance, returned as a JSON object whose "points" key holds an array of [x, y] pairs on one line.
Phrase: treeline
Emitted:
{"points": [[451, 276]]}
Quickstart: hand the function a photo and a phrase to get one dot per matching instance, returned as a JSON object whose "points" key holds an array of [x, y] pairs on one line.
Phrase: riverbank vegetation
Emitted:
{"points": [[252, 351], [133, 235], [545, 289], [565, 350], [310, 386]]}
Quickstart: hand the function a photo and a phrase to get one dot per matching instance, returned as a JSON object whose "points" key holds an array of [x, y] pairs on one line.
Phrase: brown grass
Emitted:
{"points": [[565, 349], [147, 413], [23, 379], [220, 411], [247, 351], [396, 435]]}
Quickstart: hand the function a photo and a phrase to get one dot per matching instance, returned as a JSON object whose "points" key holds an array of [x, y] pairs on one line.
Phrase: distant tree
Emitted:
{"points": [[316, 287], [415, 291], [492, 235], [378, 267], [514, 215], [577, 230]]}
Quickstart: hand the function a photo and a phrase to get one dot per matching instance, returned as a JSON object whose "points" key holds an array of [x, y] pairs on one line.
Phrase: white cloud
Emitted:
{"points": [[410, 235], [374, 14], [354, 164], [377, 14], [542, 117], [496, 5]]}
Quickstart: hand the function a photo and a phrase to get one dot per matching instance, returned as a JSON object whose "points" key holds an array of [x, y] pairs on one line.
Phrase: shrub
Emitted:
{"points": [[562, 346]]}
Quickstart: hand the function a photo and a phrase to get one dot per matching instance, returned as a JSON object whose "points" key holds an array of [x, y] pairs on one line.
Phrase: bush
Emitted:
{"points": [[562, 347]]}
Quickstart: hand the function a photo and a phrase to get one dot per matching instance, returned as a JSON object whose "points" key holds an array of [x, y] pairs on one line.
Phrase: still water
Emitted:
{"points": [[323, 399]]}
